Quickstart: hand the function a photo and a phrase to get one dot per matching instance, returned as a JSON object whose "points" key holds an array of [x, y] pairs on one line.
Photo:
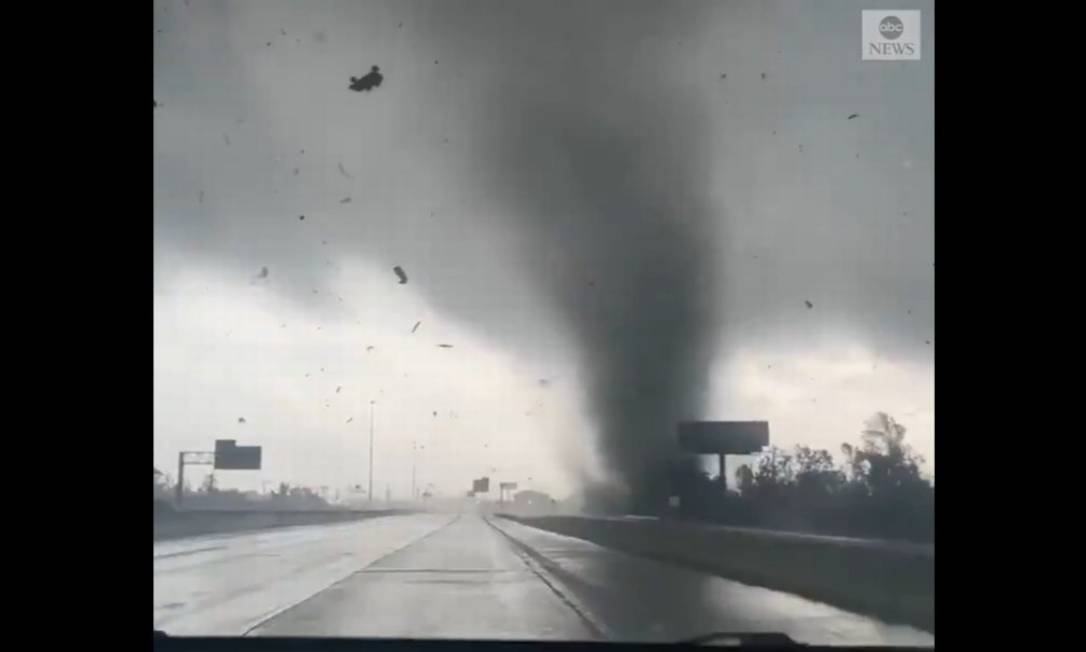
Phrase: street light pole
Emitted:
{"points": [[415, 448], [180, 478], [369, 493]]}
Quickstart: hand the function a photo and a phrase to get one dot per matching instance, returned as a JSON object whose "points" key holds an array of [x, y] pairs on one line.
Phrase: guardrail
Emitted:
{"points": [[894, 581]]}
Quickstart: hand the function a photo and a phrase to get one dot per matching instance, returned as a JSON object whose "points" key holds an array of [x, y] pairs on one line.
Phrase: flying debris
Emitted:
{"points": [[344, 172], [350, 420], [241, 419], [854, 115], [543, 382], [763, 75], [369, 81], [435, 413], [445, 346], [301, 217], [345, 200], [263, 273], [369, 348], [339, 388], [226, 139], [400, 273], [809, 304], [416, 326]]}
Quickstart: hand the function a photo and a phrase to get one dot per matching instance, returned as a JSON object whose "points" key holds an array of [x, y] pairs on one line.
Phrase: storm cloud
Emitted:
{"points": [[639, 185]]}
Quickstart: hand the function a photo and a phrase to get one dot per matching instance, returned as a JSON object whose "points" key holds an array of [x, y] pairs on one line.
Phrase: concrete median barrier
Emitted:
{"points": [[893, 581], [185, 523]]}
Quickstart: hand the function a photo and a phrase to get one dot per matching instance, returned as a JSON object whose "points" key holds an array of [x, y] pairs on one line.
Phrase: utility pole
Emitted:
{"points": [[415, 448], [180, 477], [370, 492]]}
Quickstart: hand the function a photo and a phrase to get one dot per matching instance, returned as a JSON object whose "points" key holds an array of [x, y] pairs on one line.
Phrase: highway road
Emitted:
{"points": [[468, 576]]}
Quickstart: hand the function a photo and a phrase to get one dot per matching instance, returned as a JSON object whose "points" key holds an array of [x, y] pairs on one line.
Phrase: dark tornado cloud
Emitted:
{"points": [[623, 255], [602, 167]]}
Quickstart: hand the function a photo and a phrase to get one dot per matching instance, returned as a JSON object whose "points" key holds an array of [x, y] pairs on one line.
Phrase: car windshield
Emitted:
{"points": [[544, 319]]}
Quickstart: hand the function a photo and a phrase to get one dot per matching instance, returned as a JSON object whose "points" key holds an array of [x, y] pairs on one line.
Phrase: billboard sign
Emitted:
{"points": [[481, 485], [508, 486], [229, 456], [723, 437]]}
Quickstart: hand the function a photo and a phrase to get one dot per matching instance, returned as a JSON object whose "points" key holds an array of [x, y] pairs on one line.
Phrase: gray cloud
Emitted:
{"points": [[568, 174]]}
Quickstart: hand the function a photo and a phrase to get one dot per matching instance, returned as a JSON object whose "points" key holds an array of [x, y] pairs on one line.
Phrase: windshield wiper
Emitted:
{"points": [[744, 639]]}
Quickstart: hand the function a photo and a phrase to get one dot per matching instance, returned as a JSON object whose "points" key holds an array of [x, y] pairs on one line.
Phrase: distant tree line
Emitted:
{"points": [[878, 490], [209, 496]]}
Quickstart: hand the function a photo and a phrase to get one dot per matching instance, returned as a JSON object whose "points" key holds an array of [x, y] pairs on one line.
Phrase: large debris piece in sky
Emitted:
{"points": [[367, 82]]}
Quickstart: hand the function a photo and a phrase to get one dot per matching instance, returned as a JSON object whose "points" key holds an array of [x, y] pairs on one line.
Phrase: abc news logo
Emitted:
{"points": [[891, 35]]}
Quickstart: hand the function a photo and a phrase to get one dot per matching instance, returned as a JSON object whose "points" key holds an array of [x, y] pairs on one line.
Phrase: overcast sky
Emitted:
{"points": [[499, 163]]}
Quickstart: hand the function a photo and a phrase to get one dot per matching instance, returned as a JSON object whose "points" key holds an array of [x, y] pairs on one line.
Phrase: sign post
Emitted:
{"points": [[723, 438], [226, 456], [230, 456], [503, 487]]}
